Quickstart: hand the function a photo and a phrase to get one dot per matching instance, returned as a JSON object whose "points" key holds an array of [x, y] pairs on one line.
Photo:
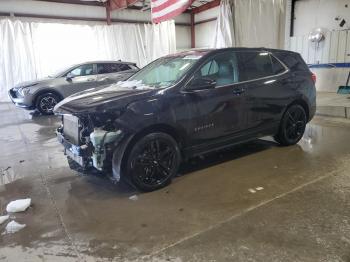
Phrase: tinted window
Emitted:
{"points": [[107, 68], [277, 67], [254, 65], [82, 70], [292, 60], [123, 67], [133, 66], [222, 68]]}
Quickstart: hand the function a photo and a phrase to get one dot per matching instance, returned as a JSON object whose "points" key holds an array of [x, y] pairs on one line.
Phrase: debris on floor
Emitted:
{"points": [[19, 205], [134, 197], [13, 227], [3, 219], [254, 190]]}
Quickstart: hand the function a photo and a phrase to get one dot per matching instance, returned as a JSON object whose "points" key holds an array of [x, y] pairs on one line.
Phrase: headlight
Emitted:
{"points": [[23, 91]]}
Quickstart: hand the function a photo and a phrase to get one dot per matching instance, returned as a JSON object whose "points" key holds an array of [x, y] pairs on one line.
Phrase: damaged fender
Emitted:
{"points": [[118, 156]]}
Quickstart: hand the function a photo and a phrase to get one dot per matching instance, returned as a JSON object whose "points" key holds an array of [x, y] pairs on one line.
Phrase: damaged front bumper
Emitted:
{"points": [[80, 154], [97, 153]]}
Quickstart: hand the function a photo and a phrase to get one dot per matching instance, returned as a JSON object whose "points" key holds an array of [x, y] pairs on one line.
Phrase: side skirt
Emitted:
{"points": [[230, 141]]}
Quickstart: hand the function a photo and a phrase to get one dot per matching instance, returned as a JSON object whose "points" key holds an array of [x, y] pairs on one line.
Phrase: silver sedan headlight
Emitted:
{"points": [[23, 91]]}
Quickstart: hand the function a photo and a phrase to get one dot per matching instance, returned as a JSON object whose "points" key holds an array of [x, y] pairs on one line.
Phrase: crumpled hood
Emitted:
{"points": [[104, 98]]}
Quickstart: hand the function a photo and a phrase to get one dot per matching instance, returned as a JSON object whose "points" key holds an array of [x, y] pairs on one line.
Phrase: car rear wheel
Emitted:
{"points": [[45, 103], [153, 161], [292, 126]]}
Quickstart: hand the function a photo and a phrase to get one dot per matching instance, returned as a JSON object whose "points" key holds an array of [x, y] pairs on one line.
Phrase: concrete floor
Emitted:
{"points": [[206, 214], [333, 104]]}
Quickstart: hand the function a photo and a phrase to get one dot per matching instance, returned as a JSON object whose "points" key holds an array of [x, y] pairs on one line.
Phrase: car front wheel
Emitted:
{"points": [[153, 161], [45, 103], [292, 126]]}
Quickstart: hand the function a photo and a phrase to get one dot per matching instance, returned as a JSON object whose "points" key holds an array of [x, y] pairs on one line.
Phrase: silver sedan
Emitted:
{"points": [[44, 94]]}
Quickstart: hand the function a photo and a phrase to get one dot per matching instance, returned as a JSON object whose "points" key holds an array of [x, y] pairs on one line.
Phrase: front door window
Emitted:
{"points": [[83, 70]]}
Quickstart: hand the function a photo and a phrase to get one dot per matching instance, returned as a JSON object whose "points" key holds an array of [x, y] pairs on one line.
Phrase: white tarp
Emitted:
{"points": [[259, 23], [224, 32], [256, 23], [34, 49]]}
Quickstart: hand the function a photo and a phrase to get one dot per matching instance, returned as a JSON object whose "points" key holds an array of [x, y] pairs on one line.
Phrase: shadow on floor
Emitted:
{"points": [[191, 165]]}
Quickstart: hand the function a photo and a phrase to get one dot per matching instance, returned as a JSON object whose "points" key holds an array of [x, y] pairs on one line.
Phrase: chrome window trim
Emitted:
{"points": [[240, 82]]}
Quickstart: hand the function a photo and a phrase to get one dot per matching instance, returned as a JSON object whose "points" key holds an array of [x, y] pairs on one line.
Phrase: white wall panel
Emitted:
{"points": [[311, 14], [334, 49], [333, 52], [347, 52], [183, 37], [341, 46], [325, 48], [204, 34]]}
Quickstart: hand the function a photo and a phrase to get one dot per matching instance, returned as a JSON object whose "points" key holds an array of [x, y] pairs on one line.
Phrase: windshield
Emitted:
{"points": [[165, 71]]}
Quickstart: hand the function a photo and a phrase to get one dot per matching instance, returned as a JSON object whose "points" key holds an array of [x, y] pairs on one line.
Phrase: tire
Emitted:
{"points": [[153, 161], [292, 126], [46, 102]]}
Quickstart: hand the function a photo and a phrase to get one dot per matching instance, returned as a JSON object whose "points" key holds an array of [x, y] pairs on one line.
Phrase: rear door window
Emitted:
{"points": [[254, 65], [107, 68]]}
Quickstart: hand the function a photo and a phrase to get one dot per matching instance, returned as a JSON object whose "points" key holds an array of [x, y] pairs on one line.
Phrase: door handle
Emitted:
{"points": [[238, 91], [90, 79]]}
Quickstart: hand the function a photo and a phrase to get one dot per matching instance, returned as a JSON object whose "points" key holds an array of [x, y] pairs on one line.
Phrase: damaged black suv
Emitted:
{"points": [[184, 105]]}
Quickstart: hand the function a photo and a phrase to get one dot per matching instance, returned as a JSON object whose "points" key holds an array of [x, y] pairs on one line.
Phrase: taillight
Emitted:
{"points": [[313, 77]]}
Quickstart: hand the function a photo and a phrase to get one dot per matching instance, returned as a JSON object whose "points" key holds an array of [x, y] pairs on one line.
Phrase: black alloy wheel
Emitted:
{"points": [[292, 126], [46, 103], [153, 161]]}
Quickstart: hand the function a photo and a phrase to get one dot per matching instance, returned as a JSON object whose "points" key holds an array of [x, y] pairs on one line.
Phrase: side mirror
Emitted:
{"points": [[201, 83], [69, 77]]}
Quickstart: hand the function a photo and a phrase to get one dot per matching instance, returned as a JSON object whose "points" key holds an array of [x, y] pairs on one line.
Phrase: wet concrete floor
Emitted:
{"points": [[213, 211]]}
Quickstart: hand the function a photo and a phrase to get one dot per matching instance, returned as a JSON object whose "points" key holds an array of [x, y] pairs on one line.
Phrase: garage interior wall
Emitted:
{"points": [[330, 59], [257, 23], [33, 48]]}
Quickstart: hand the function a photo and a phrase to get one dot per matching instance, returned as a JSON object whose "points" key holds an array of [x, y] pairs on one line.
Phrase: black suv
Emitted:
{"points": [[184, 105]]}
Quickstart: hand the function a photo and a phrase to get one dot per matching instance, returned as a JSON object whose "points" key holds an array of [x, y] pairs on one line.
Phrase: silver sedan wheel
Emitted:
{"points": [[47, 104]]}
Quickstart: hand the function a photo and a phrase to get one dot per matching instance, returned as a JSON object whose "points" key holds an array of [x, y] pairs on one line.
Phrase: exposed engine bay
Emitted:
{"points": [[87, 142]]}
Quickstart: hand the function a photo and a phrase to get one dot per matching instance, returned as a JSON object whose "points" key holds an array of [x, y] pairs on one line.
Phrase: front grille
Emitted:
{"points": [[71, 129]]}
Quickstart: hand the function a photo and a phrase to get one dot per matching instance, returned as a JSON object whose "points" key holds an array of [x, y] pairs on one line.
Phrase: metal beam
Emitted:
{"points": [[92, 19], [108, 13], [292, 18], [205, 21], [205, 7], [74, 2], [193, 32]]}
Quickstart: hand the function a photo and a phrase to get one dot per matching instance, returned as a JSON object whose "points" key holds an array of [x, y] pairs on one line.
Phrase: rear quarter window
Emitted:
{"points": [[124, 67], [292, 60], [277, 67]]}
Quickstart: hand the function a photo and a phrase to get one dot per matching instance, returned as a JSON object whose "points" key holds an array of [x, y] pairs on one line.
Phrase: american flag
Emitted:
{"points": [[166, 9]]}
